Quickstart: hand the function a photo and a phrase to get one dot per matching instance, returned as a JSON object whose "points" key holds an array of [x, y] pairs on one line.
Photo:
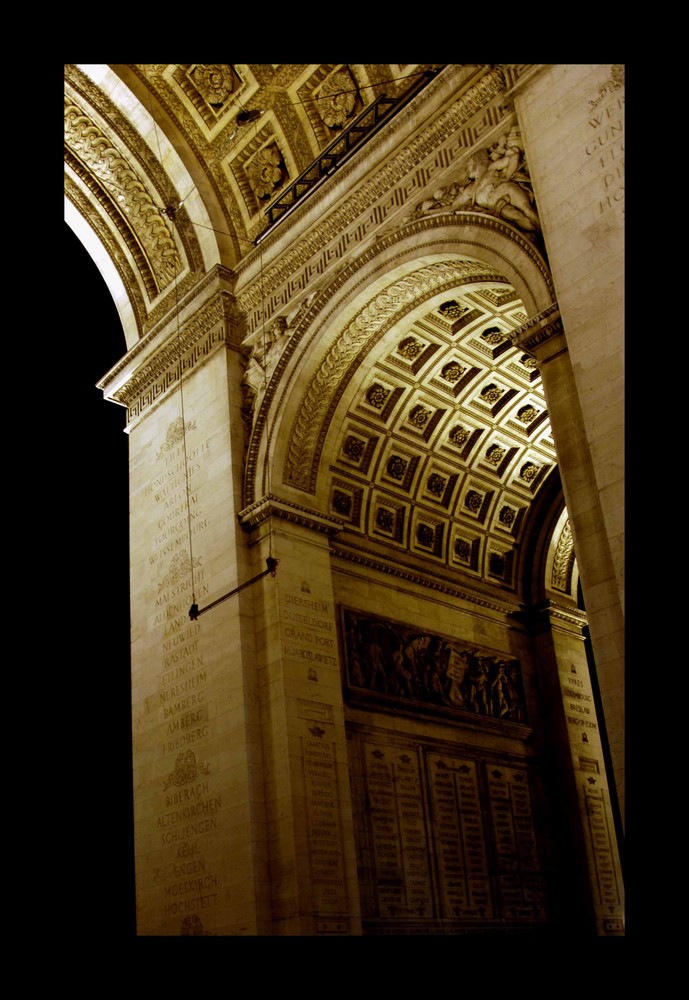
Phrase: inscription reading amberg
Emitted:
{"points": [[388, 661]]}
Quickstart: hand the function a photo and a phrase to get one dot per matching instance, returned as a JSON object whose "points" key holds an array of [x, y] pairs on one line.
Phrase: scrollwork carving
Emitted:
{"points": [[126, 189]]}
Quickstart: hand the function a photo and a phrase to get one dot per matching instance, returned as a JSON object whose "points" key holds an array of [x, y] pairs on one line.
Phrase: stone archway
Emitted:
{"points": [[361, 498]]}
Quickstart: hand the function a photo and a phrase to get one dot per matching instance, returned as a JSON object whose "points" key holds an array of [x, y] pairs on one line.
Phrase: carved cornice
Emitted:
{"points": [[209, 328], [475, 99], [425, 578], [572, 617], [218, 275], [551, 614], [273, 506], [534, 336]]}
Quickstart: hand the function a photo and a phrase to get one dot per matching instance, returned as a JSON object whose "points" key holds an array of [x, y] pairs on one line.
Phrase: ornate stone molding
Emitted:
{"points": [[551, 614], [93, 154], [273, 506], [572, 617], [80, 201], [426, 578], [384, 255], [475, 99], [219, 274], [208, 329], [533, 336]]}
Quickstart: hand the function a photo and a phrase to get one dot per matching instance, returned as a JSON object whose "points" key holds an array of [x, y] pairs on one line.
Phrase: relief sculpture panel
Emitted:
{"points": [[386, 661]]}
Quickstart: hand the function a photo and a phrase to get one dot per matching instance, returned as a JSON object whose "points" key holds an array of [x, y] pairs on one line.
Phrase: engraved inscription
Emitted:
{"points": [[398, 832], [602, 844], [307, 628], [459, 838], [445, 838], [520, 881], [189, 802], [605, 147], [325, 839]]}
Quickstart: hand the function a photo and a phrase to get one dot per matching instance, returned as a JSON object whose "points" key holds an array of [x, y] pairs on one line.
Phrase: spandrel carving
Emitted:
{"points": [[496, 181], [262, 351]]}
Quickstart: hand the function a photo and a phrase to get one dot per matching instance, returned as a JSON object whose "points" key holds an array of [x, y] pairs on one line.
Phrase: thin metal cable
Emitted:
{"points": [[265, 392], [184, 443], [170, 211]]}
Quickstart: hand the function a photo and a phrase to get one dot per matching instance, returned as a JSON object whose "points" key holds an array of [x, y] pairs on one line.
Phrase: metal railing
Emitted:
{"points": [[365, 125]]}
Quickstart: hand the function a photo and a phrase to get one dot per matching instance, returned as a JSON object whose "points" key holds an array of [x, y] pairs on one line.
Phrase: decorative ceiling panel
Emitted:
{"points": [[447, 441]]}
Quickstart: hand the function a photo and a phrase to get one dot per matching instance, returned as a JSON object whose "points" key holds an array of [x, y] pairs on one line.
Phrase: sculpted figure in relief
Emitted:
{"points": [[262, 351], [496, 182]]}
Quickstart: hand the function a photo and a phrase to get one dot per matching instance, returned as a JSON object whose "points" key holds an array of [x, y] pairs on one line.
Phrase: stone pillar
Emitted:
{"points": [[572, 122], [200, 840], [313, 869], [545, 340], [578, 767]]}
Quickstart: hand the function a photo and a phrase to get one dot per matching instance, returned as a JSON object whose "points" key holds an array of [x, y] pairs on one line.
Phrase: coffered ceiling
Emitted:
{"points": [[446, 443]]}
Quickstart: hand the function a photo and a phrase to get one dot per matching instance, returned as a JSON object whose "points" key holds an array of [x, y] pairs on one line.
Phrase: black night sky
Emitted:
{"points": [[90, 601]]}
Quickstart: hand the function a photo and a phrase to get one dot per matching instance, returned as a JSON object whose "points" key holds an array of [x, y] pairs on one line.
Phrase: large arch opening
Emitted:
{"points": [[396, 441]]}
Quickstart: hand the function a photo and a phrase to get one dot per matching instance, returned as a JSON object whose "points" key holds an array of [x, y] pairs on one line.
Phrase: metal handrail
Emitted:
{"points": [[381, 110]]}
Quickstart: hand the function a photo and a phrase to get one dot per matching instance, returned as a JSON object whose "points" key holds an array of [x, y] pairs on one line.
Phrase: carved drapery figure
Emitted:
{"points": [[262, 352], [496, 181]]}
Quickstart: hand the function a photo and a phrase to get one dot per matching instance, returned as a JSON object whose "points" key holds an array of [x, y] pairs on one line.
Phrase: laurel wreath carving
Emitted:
{"points": [[564, 561]]}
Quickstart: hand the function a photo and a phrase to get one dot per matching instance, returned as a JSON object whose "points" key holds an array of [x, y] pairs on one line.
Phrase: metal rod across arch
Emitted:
{"points": [[195, 610]]}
